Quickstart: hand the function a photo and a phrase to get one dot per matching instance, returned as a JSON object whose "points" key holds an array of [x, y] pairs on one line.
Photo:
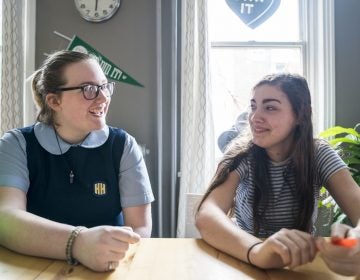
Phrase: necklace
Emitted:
{"points": [[71, 174]]}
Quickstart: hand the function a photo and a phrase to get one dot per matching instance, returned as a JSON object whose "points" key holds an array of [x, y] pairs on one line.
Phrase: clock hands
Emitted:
{"points": [[97, 10]]}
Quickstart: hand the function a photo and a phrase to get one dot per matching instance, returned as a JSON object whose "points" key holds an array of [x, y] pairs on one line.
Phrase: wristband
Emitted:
{"points": [[249, 250], [69, 245]]}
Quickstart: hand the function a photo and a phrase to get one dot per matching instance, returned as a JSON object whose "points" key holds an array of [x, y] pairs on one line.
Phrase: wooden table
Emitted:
{"points": [[160, 259]]}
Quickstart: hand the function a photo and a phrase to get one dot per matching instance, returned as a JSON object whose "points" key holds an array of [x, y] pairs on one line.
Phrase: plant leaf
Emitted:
{"points": [[341, 218], [333, 131], [341, 140]]}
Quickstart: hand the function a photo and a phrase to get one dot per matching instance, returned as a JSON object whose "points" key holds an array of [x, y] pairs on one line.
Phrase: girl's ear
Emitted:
{"points": [[53, 101]]}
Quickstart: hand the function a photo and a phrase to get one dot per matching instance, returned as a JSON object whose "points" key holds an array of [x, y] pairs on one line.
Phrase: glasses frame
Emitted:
{"points": [[99, 87]]}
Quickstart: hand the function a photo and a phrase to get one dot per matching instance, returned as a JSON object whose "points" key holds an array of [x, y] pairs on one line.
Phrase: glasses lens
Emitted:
{"points": [[90, 91], [108, 88]]}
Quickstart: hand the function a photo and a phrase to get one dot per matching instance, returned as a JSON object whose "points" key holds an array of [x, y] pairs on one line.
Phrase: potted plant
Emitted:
{"points": [[346, 141]]}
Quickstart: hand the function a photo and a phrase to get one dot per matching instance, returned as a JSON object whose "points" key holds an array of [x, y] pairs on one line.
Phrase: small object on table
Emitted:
{"points": [[345, 242]]}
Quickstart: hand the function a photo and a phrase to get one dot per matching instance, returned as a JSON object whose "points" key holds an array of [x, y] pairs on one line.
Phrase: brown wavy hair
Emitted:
{"points": [[302, 159]]}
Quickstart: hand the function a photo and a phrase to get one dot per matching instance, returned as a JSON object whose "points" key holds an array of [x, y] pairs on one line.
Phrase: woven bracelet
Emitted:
{"points": [[249, 250], [69, 245]]}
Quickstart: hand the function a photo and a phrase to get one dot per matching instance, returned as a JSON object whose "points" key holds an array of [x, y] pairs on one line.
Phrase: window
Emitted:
{"points": [[297, 37]]}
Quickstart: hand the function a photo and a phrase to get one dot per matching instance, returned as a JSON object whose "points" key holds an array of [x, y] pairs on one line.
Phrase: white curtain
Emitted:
{"points": [[197, 136], [12, 67]]}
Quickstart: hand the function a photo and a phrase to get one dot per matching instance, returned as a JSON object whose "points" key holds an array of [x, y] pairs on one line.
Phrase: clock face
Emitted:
{"points": [[97, 10]]}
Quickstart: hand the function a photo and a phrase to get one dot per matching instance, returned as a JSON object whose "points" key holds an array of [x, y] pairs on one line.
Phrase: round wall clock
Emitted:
{"points": [[97, 10]]}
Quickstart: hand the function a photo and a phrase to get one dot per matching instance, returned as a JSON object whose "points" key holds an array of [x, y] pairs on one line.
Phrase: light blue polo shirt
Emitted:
{"points": [[134, 183]]}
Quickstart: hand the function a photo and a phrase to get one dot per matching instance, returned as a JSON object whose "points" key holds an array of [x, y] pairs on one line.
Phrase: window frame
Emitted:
{"points": [[318, 56], [320, 18]]}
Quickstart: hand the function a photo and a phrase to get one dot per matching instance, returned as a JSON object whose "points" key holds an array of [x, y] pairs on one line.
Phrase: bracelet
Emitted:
{"points": [[69, 245], [249, 250]]}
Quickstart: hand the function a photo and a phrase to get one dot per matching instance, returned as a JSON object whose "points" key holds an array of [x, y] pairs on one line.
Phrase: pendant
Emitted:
{"points": [[71, 175]]}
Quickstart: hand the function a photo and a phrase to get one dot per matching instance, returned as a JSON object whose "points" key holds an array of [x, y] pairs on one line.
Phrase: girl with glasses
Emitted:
{"points": [[72, 187], [270, 181]]}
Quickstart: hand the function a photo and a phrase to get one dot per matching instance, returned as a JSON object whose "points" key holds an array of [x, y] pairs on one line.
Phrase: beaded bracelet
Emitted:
{"points": [[69, 245], [249, 250]]}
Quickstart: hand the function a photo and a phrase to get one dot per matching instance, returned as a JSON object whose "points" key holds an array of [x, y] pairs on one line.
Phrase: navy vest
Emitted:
{"points": [[93, 198]]}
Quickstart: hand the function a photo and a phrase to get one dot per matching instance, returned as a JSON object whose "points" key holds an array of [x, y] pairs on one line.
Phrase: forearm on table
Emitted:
{"points": [[143, 227], [139, 219], [219, 231], [144, 231], [26, 233], [351, 210]]}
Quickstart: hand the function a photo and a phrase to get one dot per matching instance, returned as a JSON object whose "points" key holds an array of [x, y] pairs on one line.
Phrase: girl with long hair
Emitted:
{"points": [[270, 179]]}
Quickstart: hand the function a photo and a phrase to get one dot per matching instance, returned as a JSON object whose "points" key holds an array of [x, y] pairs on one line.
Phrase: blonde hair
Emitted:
{"points": [[49, 77]]}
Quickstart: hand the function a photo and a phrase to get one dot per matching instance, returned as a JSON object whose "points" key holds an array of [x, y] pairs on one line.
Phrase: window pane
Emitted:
{"points": [[235, 70], [225, 25]]}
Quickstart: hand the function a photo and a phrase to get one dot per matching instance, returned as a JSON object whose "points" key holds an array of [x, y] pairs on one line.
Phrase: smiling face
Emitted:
{"points": [[75, 115], [272, 121]]}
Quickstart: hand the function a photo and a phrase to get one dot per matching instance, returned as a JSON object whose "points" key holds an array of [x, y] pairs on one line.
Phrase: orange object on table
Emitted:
{"points": [[345, 242]]}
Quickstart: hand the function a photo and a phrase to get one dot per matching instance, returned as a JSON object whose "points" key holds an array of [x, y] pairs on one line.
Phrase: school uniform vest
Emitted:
{"points": [[93, 198]]}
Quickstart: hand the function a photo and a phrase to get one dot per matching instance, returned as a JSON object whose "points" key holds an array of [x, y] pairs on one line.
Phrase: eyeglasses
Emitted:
{"points": [[92, 91]]}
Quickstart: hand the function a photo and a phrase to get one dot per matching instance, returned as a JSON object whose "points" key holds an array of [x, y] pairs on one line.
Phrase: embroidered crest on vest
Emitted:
{"points": [[100, 189]]}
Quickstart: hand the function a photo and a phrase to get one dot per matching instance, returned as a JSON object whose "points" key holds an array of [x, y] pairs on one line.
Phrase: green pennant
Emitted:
{"points": [[110, 69]]}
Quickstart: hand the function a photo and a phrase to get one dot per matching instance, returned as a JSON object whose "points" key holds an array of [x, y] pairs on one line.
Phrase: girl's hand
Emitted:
{"points": [[96, 247], [342, 259], [284, 248]]}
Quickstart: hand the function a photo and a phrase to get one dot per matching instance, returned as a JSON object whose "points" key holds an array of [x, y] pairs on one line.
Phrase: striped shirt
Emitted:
{"points": [[283, 207]]}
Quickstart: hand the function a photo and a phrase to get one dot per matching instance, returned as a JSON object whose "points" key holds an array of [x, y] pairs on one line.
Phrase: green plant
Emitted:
{"points": [[346, 141]]}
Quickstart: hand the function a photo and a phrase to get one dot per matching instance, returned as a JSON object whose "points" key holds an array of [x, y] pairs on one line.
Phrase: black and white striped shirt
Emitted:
{"points": [[283, 207]]}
